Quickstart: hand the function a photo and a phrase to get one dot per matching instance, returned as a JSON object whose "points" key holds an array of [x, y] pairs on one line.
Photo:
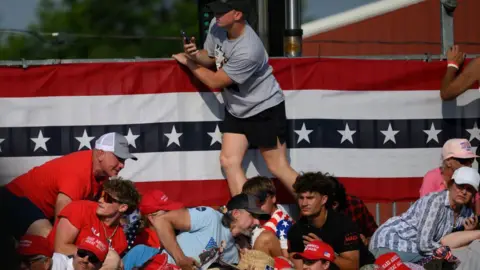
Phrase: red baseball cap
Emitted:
{"points": [[160, 262], [32, 245], [155, 200], [317, 250], [96, 246], [282, 263], [390, 261]]}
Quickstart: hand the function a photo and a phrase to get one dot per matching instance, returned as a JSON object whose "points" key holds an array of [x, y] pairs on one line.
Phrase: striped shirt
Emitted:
{"points": [[279, 224], [421, 227]]}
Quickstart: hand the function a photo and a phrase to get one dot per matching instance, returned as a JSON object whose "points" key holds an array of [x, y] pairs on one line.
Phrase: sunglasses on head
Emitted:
{"points": [[92, 258], [109, 198]]}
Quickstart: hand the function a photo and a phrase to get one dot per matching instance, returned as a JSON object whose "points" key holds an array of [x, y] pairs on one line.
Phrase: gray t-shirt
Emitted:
{"points": [[245, 61]]}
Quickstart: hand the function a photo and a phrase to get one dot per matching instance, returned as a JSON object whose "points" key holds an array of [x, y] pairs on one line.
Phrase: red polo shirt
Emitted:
{"points": [[71, 175], [83, 216]]}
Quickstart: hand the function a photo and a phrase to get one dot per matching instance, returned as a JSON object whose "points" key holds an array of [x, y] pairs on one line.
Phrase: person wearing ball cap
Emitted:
{"points": [[456, 153], [317, 255], [44, 191], [91, 253], [427, 225], [391, 261], [35, 253]]}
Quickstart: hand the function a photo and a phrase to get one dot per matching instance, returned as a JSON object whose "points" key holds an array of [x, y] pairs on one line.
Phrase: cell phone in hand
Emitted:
{"points": [[184, 35]]}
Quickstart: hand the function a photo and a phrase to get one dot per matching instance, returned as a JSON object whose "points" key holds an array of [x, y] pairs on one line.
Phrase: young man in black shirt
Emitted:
{"points": [[314, 193]]}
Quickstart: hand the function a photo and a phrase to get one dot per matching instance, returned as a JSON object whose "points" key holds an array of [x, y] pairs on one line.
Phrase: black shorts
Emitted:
{"points": [[263, 129], [18, 213]]}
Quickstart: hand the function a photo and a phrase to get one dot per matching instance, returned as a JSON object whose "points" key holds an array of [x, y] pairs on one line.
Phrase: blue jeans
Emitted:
{"points": [[404, 256]]}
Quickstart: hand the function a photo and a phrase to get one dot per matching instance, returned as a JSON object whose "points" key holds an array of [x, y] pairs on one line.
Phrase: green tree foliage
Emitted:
{"points": [[87, 29]]}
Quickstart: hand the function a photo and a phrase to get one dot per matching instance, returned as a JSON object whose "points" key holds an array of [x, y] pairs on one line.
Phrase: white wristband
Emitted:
{"points": [[452, 65]]}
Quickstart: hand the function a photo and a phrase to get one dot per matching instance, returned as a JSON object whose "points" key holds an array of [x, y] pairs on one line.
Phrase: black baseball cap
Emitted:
{"points": [[224, 6], [248, 203]]}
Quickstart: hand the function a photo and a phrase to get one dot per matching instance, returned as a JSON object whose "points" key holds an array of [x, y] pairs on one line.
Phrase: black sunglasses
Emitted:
{"points": [[465, 161], [109, 198], [92, 258], [309, 262]]}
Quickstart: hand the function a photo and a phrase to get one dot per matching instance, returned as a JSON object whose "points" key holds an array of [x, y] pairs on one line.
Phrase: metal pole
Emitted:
{"points": [[293, 29], [262, 7], [447, 7]]}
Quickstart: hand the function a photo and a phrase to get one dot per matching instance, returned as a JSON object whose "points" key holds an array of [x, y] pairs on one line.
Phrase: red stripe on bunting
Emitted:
{"points": [[167, 76], [216, 192]]}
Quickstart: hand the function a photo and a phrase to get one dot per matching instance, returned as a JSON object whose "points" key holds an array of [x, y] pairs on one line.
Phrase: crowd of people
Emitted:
{"points": [[114, 227], [75, 212]]}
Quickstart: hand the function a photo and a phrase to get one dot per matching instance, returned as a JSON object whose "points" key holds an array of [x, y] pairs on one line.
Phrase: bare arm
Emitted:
{"points": [[459, 239], [452, 85], [165, 227], [348, 260], [65, 236], [214, 80], [202, 58], [62, 201], [268, 243], [199, 56], [296, 262]]}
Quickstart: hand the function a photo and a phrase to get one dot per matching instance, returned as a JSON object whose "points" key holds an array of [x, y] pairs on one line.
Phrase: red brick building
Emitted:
{"points": [[407, 25]]}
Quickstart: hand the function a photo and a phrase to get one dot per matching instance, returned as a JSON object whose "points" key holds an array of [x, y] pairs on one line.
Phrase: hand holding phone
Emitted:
{"points": [[189, 46], [185, 37]]}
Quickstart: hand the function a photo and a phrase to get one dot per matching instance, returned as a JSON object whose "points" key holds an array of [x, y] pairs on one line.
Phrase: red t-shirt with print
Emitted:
{"points": [[71, 175], [83, 216]]}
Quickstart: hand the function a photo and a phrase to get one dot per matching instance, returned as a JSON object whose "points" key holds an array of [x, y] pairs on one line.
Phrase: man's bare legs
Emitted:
{"points": [[234, 147], [277, 164]]}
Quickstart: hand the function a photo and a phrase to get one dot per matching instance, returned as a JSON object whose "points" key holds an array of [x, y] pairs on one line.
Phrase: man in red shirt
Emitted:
{"points": [[81, 219], [44, 191]]}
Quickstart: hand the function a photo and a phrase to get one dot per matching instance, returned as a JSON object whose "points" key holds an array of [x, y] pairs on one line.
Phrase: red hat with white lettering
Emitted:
{"points": [[390, 261], [32, 245], [317, 250], [155, 200], [96, 246]]}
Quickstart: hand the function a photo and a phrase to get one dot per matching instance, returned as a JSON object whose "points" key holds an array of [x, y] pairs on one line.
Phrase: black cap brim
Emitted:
{"points": [[258, 213], [218, 7]]}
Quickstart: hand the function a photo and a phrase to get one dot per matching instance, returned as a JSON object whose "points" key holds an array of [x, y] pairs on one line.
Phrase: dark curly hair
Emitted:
{"points": [[339, 193], [315, 182], [125, 191]]}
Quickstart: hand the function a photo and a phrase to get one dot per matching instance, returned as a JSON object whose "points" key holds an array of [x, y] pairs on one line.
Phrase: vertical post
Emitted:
{"points": [[394, 209], [447, 7], [293, 29], [377, 213], [262, 7]]}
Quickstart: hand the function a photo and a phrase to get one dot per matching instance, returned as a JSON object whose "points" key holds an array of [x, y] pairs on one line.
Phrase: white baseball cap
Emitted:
{"points": [[466, 175], [115, 143]]}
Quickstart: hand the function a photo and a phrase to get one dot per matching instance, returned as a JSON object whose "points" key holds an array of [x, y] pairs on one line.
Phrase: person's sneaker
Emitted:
{"points": [[208, 257]]}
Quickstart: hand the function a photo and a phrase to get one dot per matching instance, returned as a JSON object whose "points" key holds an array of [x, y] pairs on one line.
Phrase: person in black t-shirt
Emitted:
{"points": [[314, 193]]}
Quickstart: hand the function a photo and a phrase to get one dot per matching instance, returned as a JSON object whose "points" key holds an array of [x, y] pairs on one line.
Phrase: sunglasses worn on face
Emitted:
{"points": [[109, 198], [309, 262], [465, 161], [92, 258]]}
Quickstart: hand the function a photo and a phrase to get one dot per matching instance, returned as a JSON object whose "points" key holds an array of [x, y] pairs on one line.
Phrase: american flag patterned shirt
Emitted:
{"points": [[279, 224]]}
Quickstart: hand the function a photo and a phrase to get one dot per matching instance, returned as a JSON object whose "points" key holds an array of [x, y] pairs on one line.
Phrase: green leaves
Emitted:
{"points": [[104, 29]]}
